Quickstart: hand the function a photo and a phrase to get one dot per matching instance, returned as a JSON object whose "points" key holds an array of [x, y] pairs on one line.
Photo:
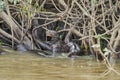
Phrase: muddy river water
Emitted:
{"points": [[19, 66]]}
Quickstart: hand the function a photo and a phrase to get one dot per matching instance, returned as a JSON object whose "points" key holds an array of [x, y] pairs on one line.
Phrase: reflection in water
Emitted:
{"points": [[32, 67]]}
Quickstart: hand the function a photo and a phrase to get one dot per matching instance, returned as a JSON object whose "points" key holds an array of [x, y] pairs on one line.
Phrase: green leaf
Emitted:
{"points": [[98, 36], [95, 1], [43, 9], [14, 1], [57, 28], [107, 36], [2, 5], [106, 50]]}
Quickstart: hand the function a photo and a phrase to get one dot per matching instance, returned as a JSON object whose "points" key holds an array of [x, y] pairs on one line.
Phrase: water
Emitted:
{"points": [[19, 66]]}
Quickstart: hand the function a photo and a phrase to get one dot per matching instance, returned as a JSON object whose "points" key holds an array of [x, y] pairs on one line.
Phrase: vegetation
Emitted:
{"points": [[91, 25]]}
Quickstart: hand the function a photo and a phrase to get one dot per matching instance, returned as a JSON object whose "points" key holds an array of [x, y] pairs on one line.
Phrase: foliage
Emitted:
{"points": [[106, 36], [43, 9], [1, 42], [94, 1], [102, 39], [88, 21], [14, 1], [91, 22], [57, 28], [2, 5]]}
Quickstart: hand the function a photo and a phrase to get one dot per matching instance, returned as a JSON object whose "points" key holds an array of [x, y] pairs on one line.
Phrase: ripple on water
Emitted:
{"points": [[32, 67]]}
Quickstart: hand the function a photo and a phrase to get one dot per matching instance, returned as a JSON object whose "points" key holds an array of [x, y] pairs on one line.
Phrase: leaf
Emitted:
{"points": [[43, 9], [57, 28], [107, 36], [106, 50], [14, 1], [2, 5], [95, 1], [98, 36]]}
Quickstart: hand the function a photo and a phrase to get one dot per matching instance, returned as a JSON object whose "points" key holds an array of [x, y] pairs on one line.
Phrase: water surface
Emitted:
{"points": [[27, 66]]}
